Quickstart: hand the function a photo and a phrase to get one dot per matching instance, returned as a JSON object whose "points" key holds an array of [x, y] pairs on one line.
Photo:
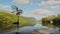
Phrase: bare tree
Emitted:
{"points": [[18, 13]]}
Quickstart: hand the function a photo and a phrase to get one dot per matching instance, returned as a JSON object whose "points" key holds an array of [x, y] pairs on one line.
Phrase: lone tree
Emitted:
{"points": [[18, 12]]}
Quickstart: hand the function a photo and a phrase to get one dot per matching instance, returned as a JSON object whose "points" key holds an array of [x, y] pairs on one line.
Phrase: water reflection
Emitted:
{"points": [[27, 29], [31, 29], [55, 31]]}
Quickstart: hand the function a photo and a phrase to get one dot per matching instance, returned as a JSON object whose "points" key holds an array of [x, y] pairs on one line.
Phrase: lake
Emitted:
{"points": [[36, 27]]}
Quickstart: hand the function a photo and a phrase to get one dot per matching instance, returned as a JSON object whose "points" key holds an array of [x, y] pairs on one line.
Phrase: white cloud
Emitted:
{"points": [[55, 7], [21, 1], [51, 4], [42, 12], [38, 13], [4, 6]]}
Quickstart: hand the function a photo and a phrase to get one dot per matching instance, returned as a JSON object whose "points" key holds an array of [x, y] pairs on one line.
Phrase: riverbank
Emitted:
{"points": [[8, 30]]}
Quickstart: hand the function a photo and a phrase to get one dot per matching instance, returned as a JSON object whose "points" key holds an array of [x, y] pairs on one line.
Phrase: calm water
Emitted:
{"points": [[30, 29]]}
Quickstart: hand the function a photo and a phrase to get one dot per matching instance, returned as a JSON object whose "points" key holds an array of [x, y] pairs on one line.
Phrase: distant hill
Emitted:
{"points": [[32, 18], [7, 19]]}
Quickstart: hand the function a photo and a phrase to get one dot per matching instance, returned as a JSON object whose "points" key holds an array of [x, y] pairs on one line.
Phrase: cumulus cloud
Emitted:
{"points": [[54, 4], [51, 4], [21, 1], [4, 6], [55, 7], [38, 13], [42, 12]]}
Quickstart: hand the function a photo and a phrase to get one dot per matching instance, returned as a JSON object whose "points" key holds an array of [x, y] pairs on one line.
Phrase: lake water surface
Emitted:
{"points": [[30, 29]]}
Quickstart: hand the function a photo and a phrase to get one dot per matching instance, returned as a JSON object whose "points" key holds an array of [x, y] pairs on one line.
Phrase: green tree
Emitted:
{"points": [[51, 21]]}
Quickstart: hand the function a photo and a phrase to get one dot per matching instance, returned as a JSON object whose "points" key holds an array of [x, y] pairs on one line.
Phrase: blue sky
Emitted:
{"points": [[33, 8]]}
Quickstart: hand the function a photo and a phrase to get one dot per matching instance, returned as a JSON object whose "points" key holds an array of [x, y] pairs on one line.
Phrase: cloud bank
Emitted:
{"points": [[39, 13], [21, 1], [50, 4], [42, 12], [54, 4], [4, 6]]}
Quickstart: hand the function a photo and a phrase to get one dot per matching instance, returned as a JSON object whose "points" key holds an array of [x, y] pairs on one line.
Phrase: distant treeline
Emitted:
{"points": [[51, 21]]}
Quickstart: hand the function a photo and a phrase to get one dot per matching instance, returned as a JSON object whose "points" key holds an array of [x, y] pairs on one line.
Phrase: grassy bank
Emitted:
{"points": [[7, 19]]}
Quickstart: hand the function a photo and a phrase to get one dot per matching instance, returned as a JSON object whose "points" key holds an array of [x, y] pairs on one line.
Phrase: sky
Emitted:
{"points": [[33, 8]]}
